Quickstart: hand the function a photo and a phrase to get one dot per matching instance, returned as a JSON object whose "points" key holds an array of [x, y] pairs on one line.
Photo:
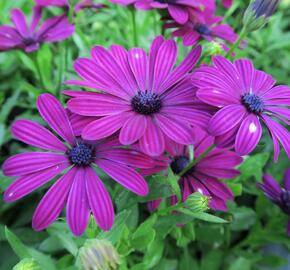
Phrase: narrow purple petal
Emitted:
{"points": [[271, 184], [78, 210], [99, 200], [54, 114], [125, 176], [36, 135], [30, 162], [178, 13], [19, 21], [53, 202], [287, 179]]}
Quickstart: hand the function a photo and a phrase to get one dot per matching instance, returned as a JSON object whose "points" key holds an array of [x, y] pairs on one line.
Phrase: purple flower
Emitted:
{"points": [[80, 188], [143, 96], [202, 25], [278, 195], [178, 9], [227, 3], [29, 37], [245, 97], [205, 174]]}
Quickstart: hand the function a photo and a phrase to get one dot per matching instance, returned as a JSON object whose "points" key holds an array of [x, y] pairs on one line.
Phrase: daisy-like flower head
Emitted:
{"points": [[205, 175], [29, 37], [80, 188], [179, 10], [202, 25], [143, 96], [278, 195], [245, 97]]}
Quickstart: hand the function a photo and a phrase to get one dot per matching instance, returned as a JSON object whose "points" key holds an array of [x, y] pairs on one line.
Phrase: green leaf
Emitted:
{"points": [[236, 188], [241, 263], [154, 254], [44, 59], [243, 218], [18, 247], [203, 216], [27, 264], [173, 181], [212, 260]]}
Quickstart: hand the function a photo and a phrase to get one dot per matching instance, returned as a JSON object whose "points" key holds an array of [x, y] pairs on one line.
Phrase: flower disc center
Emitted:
{"points": [[285, 201], [81, 154], [253, 103], [202, 29], [178, 164], [146, 103]]}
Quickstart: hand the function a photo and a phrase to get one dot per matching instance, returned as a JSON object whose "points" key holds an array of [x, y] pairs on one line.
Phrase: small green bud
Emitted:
{"points": [[258, 14], [27, 264], [98, 255], [213, 48], [197, 202]]}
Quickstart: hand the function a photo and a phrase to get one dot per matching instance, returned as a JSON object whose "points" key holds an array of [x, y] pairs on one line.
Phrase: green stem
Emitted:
{"points": [[169, 209], [193, 162], [237, 43], [41, 82], [134, 26]]}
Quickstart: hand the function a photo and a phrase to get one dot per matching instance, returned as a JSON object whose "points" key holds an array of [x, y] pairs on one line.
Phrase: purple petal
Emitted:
{"points": [[99, 200], [78, 210], [278, 95], [30, 162], [53, 202], [139, 65], [165, 60], [54, 114], [152, 142], [19, 21], [28, 183], [37, 12], [217, 204], [178, 13], [34, 134], [133, 129], [176, 131], [104, 126], [262, 82], [249, 135], [125, 176], [79, 122], [287, 179], [153, 205], [9, 38], [226, 118], [246, 69], [272, 185]]}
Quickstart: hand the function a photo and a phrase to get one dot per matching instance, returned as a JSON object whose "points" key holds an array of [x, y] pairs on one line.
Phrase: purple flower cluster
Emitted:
{"points": [[139, 117]]}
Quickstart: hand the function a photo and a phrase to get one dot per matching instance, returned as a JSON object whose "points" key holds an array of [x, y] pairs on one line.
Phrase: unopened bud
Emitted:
{"points": [[258, 13], [197, 202], [27, 264], [213, 48], [98, 255]]}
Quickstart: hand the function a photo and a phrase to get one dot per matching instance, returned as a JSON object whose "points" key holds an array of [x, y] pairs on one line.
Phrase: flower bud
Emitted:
{"points": [[27, 264], [197, 202], [258, 13], [213, 48], [98, 255]]}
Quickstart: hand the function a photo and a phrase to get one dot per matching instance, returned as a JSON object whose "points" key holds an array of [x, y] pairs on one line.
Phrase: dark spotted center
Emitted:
{"points": [[146, 103], [253, 103], [28, 41], [81, 154], [202, 29], [178, 164], [285, 201]]}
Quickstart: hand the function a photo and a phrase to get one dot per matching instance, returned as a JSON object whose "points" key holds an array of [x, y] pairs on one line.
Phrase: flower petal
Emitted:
{"points": [[125, 176], [178, 13], [19, 21], [99, 200], [287, 179], [34, 134], [53, 201], [78, 210], [54, 114]]}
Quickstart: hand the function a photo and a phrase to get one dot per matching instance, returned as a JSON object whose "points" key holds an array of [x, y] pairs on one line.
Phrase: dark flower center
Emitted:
{"points": [[253, 103], [146, 103], [81, 154], [178, 164], [28, 41], [202, 29], [166, 1], [285, 201]]}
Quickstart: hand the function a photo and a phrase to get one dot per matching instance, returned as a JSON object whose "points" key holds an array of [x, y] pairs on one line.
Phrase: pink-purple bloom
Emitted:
{"points": [[278, 195], [79, 188], [142, 95], [202, 25], [205, 175], [179, 10], [244, 97], [29, 36]]}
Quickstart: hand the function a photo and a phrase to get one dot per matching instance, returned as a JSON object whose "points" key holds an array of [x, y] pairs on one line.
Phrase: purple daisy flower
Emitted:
{"points": [[179, 10], [143, 96], [29, 37], [202, 25], [278, 195], [244, 97], [80, 188], [205, 174]]}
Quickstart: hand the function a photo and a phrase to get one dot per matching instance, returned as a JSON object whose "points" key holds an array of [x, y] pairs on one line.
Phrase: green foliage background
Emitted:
{"points": [[144, 241]]}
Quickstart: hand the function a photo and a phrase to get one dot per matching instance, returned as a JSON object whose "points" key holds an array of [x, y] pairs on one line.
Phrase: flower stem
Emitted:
{"points": [[134, 26], [193, 162], [238, 42], [35, 60]]}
